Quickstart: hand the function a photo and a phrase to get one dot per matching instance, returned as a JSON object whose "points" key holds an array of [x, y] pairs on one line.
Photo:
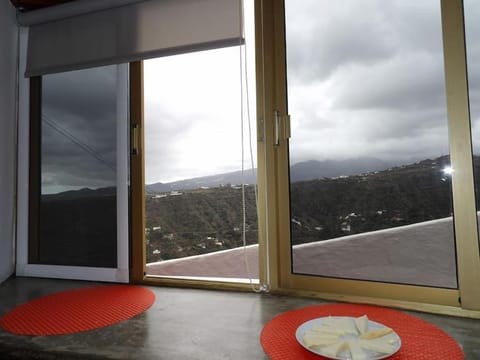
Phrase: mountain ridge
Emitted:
{"points": [[301, 171]]}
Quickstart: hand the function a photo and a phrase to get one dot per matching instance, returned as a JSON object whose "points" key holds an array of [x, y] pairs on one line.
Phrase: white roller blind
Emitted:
{"points": [[137, 31]]}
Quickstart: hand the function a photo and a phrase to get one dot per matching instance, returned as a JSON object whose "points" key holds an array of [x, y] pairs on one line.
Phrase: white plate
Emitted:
{"points": [[345, 355]]}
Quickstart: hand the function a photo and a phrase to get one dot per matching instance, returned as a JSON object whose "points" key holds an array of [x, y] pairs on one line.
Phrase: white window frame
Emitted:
{"points": [[23, 267]]}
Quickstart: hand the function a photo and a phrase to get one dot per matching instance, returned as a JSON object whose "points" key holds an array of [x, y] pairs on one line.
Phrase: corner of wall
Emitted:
{"points": [[8, 91]]}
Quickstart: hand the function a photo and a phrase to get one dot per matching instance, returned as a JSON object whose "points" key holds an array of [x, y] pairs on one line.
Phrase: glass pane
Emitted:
{"points": [[196, 145], [77, 222], [369, 160], [472, 28]]}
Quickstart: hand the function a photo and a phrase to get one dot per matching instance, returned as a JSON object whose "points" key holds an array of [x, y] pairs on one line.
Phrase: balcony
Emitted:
{"points": [[420, 254]]}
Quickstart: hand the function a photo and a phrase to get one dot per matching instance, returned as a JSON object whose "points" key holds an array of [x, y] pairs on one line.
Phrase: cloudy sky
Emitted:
{"points": [[192, 115], [193, 111], [366, 79], [79, 114]]}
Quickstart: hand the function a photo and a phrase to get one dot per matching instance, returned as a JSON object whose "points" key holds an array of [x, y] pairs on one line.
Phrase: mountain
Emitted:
{"points": [[313, 169], [302, 171], [324, 204], [81, 193], [235, 177]]}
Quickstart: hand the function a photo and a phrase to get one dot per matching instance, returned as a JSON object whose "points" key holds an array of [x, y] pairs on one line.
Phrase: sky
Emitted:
{"points": [[79, 111], [194, 108], [192, 123], [367, 79]]}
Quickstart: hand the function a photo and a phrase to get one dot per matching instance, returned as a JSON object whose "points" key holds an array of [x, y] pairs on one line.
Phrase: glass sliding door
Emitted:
{"points": [[78, 202], [201, 219], [77, 213], [370, 174], [194, 165]]}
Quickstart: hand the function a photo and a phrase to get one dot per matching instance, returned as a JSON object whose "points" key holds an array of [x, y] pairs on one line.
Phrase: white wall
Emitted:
{"points": [[8, 65]]}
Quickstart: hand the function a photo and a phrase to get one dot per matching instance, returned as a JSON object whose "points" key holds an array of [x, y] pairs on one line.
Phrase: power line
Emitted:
{"points": [[67, 134]]}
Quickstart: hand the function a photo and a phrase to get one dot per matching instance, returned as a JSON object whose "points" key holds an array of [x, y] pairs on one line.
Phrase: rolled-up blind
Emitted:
{"points": [[137, 31]]}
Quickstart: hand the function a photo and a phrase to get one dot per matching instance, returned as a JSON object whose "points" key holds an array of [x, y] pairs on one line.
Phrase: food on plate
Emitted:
{"points": [[356, 352], [328, 329], [339, 336], [384, 345], [315, 338], [376, 333], [345, 324], [362, 324], [335, 349]]}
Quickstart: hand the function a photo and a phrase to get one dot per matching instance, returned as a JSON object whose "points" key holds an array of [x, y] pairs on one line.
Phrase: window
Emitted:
{"points": [[199, 146], [195, 150], [74, 169], [371, 83], [369, 157], [366, 194]]}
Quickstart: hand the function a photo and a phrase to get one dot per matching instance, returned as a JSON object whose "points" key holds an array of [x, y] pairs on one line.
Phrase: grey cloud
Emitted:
{"points": [[324, 36], [79, 130], [413, 81], [396, 137], [90, 93], [165, 147], [367, 79], [317, 49]]}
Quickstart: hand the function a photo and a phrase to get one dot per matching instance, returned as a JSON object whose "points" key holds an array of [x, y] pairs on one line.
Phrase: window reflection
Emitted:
{"points": [[77, 215]]}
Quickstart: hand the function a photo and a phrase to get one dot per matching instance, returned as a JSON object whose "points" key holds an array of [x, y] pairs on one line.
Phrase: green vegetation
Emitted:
{"points": [[205, 220], [330, 208], [199, 221]]}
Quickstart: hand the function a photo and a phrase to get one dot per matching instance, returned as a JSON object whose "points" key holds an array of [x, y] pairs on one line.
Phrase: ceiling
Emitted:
{"points": [[27, 5]]}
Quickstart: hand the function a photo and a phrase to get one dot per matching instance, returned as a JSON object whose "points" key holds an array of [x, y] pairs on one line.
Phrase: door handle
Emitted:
{"points": [[135, 139]]}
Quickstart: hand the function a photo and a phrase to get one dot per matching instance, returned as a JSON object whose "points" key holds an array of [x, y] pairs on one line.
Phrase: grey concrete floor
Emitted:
{"points": [[182, 324]]}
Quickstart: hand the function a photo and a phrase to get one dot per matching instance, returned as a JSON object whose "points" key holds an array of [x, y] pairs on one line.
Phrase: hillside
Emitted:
{"points": [[207, 219], [329, 208], [200, 221]]}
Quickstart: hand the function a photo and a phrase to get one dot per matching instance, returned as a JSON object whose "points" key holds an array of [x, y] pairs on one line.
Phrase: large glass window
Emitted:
{"points": [[370, 176], [76, 221], [200, 155]]}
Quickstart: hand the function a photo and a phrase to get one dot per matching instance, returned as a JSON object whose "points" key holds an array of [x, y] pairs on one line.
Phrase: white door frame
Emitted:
{"points": [[23, 268]]}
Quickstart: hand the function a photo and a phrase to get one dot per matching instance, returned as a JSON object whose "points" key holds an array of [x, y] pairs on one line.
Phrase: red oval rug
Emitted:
{"points": [[420, 339], [77, 310]]}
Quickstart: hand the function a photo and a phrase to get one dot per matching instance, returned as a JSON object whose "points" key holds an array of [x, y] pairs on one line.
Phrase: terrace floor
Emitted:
{"points": [[182, 324], [419, 254]]}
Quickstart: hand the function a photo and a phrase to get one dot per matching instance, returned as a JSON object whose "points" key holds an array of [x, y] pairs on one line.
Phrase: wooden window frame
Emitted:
{"points": [[137, 183], [272, 97]]}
